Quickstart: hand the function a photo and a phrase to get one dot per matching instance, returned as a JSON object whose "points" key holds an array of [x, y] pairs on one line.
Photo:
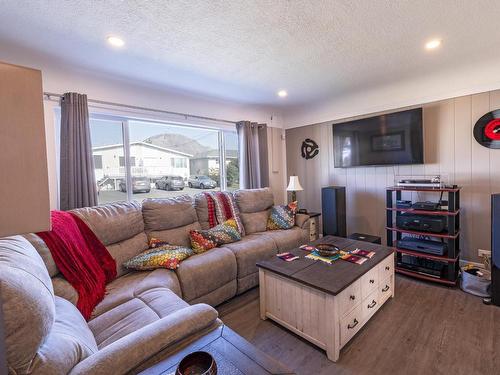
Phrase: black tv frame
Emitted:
{"points": [[421, 137]]}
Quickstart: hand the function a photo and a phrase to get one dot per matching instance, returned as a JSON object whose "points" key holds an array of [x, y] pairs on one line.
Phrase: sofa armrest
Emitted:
{"points": [[302, 221], [130, 351]]}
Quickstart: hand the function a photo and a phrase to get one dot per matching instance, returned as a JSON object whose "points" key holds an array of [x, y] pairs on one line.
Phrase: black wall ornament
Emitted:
{"points": [[487, 130], [309, 149]]}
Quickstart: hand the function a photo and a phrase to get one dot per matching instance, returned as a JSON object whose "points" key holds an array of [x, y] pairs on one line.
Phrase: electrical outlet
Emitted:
{"points": [[483, 253]]}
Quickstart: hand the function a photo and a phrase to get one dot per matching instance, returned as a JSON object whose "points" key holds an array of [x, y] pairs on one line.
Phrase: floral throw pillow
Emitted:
{"points": [[203, 240], [156, 242], [282, 217], [159, 256]]}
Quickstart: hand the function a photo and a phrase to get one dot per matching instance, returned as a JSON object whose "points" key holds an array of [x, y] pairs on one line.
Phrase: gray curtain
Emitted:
{"points": [[77, 179], [254, 169]]}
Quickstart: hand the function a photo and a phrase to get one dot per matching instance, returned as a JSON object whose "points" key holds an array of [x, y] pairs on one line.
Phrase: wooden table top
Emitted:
{"points": [[232, 353], [329, 278]]}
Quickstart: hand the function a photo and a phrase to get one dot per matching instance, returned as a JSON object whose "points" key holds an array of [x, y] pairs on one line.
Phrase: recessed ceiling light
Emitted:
{"points": [[433, 44], [115, 41], [282, 93]]}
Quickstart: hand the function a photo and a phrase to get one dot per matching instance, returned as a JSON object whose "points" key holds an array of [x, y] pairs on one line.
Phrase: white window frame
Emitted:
{"points": [[125, 122]]}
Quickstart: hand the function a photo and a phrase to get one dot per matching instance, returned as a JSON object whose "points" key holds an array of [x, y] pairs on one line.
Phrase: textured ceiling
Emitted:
{"points": [[245, 50]]}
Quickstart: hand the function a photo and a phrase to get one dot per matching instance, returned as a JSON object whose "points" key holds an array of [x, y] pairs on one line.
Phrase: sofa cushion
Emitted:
{"points": [[113, 222], [287, 239], [170, 219], [165, 256], [282, 216], [254, 200], [255, 222], [44, 252], [218, 296], [254, 206], [120, 227], [176, 236], [206, 272], [168, 213], [203, 240], [201, 207], [27, 301], [250, 250], [134, 314], [69, 342], [145, 347], [64, 289], [124, 250], [136, 285]]}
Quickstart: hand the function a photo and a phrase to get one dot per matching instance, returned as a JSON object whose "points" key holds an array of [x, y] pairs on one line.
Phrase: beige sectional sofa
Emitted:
{"points": [[144, 313]]}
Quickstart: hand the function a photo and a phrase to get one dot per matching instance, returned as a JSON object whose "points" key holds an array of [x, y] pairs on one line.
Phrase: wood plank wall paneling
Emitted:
{"points": [[276, 168], [450, 150]]}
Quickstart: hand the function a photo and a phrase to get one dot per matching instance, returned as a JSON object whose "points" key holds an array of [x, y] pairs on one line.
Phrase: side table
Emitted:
{"points": [[314, 225]]}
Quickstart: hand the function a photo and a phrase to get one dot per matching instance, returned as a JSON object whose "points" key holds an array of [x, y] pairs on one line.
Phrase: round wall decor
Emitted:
{"points": [[487, 130], [309, 149]]}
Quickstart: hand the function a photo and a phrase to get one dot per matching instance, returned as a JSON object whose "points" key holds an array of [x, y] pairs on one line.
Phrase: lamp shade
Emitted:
{"points": [[294, 184]]}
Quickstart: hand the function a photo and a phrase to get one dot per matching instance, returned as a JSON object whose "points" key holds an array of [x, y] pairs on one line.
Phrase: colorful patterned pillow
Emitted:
{"points": [[282, 217], [156, 242], [164, 256], [203, 240]]}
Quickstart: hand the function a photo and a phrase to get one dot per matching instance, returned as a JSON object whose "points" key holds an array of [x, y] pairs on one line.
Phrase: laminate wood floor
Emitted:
{"points": [[425, 329]]}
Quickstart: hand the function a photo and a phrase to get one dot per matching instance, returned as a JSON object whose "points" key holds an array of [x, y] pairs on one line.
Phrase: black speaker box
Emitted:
{"points": [[495, 249], [333, 207]]}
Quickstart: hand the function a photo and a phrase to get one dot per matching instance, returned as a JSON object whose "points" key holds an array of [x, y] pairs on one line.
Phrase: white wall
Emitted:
{"points": [[58, 78], [450, 83]]}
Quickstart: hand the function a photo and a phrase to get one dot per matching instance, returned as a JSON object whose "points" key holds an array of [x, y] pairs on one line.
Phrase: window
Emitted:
{"points": [[164, 159], [107, 149], [232, 160], [179, 162], [98, 161], [122, 161]]}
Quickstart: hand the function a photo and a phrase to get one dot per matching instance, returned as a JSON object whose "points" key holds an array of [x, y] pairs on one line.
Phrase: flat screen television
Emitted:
{"points": [[394, 138]]}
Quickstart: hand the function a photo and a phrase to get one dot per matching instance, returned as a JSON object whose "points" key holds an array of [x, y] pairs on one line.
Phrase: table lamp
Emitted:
{"points": [[294, 186]]}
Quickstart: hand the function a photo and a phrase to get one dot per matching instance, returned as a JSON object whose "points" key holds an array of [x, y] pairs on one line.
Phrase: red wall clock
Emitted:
{"points": [[487, 130]]}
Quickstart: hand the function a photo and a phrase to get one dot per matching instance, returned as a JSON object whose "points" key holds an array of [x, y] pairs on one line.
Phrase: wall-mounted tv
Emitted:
{"points": [[394, 138]]}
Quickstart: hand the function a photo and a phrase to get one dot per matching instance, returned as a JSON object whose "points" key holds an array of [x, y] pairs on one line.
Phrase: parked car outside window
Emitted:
{"points": [[170, 183], [139, 185], [201, 182]]}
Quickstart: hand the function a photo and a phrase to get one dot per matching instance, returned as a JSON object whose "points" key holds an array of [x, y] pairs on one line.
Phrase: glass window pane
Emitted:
{"points": [[109, 163], [232, 161], [173, 159]]}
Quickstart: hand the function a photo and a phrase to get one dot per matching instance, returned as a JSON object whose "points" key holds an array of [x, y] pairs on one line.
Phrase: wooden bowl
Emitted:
{"points": [[197, 363], [327, 249]]}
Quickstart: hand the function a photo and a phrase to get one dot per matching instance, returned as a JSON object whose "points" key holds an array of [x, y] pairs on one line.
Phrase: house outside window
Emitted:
{"points": [[135, 159]]}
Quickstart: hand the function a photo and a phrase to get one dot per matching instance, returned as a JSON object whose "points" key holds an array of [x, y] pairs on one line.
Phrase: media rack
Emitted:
{"points": [[450, 260]]}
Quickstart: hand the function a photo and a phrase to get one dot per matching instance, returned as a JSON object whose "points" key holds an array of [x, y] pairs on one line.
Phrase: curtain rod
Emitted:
{"points": [[50, 95]]}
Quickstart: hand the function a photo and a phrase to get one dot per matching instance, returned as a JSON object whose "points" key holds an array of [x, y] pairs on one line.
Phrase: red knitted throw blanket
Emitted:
{"points": [[222, 207], [81, 258]]}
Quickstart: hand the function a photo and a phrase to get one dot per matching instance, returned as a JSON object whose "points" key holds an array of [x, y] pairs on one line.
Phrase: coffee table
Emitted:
{"points": [[233, 355], [326, 304]]}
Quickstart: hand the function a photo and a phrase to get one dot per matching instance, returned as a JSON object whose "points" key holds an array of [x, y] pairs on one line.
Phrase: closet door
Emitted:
{"points": [[24, 190]]}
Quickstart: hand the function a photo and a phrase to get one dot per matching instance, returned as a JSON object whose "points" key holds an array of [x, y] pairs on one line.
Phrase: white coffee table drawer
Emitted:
{"points": [[350, 297], [385, 288], [369, 282], [350, 324], [370, 304], [386, 267]]}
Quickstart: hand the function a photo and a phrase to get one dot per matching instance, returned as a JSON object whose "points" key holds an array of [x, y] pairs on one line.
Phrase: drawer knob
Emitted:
{"points": [[352, 297], [354, 324], [372, 281], [387, 268], [372, 304], [386, 288]]}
